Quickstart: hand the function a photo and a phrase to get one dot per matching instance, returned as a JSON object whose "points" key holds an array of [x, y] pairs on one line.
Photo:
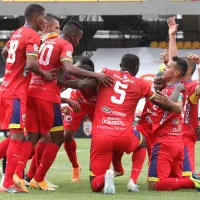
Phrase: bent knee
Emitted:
{"points": [[152, 185]]}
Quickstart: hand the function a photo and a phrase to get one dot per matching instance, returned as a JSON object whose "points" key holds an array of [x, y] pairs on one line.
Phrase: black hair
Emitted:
{"points": [[159, 74], [72, 24], [85, 61], [33, 9], [190, 64], [181, 65], [130, 63], [51, 16]]}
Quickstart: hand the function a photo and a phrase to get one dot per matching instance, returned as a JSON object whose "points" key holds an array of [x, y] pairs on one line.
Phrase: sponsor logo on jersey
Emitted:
{"points": [[23, 117], [176, 121], [187, 114], [106, 109], [164, 117], [68, 118]]}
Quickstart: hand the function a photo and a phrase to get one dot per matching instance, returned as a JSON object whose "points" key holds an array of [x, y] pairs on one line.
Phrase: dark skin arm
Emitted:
{"points": [[72, 69], [4, 53]]}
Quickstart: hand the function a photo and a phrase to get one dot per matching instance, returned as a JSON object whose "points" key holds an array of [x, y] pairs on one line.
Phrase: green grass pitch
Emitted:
{"points": [[60, 174]]}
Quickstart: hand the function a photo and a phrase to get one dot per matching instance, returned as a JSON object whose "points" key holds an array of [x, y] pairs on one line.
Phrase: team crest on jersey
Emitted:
{"points": [[69, 118], [69, 54], [125, 77], [106, 109], [23, 117], [176, 121], [35, 46]]}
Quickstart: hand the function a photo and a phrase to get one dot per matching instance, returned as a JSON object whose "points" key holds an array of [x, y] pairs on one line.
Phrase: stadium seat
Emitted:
{"points": [[154, 44], [187, 45], [179, 44], [2, 44], [195, 45], [162, 44]]}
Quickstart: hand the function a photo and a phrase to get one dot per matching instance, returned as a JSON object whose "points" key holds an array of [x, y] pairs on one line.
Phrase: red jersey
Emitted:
{"points": [[51, 54], [23, 42], [115, 106], [168, 123], [145, 123], [85, 96], [190, 121]]}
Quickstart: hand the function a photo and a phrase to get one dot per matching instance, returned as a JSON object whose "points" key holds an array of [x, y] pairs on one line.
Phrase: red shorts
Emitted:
{"points": [[166, 161], [12, 113], [103, 147], [189, 156], [43, 116], [73, 121]]}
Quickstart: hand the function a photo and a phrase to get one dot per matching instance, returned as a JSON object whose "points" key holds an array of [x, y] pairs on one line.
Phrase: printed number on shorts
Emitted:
{"points": [[118, 90], [12, 51], [45, 58]]}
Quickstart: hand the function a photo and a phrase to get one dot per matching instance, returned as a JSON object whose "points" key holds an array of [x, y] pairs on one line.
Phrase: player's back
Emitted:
{"points": [[51, 54], [115, 107], [24, 41]]}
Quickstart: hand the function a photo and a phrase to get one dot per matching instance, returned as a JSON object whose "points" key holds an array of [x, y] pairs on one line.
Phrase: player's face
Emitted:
{"points": [[170, 71], [40, 20], [159, 83], [76, 37], [54, 26]]}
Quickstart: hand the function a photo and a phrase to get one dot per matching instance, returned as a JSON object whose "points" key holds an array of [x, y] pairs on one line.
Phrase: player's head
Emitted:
{"points": [[35, 16], [177, 67], [130, 63], [73, 32], [191, 66], [86, 64], [158, 83], [53, 24]]}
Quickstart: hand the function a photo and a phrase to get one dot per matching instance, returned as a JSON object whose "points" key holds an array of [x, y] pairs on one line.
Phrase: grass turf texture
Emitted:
{"points": [[60, 174]]}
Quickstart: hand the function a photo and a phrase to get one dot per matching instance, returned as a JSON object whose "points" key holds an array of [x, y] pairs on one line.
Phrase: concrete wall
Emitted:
{"points": [[165, 7]]}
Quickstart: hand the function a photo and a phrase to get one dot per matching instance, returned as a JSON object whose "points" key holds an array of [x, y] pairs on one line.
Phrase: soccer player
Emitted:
{"points": [[166, 164], [52, 25], [43, 103], [190, 121], [20, 55], [112, 124], [144, 125], [87, 100]]}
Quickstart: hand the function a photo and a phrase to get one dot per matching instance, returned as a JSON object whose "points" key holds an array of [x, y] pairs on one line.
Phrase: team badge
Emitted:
{"points": [[106, 109], [35, 46], [69, 54], [176, 121], [69, 118]]}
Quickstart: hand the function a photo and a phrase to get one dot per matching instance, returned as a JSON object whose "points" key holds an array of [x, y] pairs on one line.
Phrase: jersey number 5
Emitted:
{"points": [[45, 58], [118, 90], [12, 51]]}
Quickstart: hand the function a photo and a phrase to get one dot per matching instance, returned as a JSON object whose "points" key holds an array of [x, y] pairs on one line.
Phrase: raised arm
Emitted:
{"points": [[172, 37]]}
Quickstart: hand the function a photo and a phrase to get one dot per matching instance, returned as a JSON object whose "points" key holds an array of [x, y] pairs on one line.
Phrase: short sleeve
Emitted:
{"points": [[66, 52], [32, 45], [145, 87]]}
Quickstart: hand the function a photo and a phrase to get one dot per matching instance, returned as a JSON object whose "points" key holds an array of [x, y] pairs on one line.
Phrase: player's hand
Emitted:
{"points": [[50, 75], [161, 98], [194, 58], [105, 79], [75, 105], [173, 26], [164, 55], [65, 110]]}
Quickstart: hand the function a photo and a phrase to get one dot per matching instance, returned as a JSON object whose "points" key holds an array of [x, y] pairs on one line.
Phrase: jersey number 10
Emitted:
{"points": [[118, 90], [44, 60]]}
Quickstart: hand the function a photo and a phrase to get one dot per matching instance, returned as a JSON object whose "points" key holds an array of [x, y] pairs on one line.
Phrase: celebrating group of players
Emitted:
{"points": [[39, 65]]}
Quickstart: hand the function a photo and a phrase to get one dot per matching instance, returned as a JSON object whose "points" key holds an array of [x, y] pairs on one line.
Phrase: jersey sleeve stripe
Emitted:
{"points": [[31, 54], [66, 59], [151, 97]]}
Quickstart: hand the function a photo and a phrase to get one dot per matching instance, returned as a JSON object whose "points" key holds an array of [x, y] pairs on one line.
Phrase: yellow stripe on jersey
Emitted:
{"points": [[14, 126], [151, 97], [31, 54], [66, 59], [56, 128], [188, 173], [91, 173], [154, 179], [194, 98]]}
